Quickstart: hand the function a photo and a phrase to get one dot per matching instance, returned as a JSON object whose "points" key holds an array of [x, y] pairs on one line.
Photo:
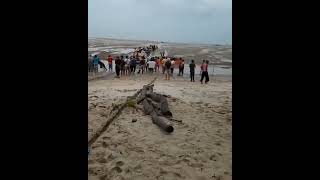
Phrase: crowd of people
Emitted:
{"points": [[140, 62]]}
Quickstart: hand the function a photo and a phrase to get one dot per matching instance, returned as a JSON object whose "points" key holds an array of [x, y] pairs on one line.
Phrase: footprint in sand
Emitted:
{"points": [[106, 137], [119, 163], [102, 160], [116, 169], [104, 144], [213, 157]]}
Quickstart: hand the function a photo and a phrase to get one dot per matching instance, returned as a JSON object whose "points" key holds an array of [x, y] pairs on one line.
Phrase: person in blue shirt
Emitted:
{"points": [[95, 63], [133, 65]]}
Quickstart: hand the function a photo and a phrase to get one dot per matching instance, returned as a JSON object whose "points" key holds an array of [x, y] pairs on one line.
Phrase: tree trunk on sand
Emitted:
{"points": [[163, 103], [147, 89], [156, 119]]}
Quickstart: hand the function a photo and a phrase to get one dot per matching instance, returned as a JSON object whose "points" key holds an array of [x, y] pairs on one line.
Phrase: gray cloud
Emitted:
{"points": [[204, 21]]}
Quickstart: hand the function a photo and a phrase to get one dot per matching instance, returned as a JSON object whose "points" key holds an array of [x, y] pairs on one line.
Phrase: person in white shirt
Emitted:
{"points": [[151, 66], [127, 65]]}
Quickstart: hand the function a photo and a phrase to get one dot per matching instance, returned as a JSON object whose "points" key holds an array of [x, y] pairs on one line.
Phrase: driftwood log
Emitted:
{"points": [[163, 103], [157, 107]]}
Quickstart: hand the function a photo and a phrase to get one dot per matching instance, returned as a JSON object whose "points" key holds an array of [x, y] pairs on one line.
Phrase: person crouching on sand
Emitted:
{"points": [[192, 67], [204, 68]]}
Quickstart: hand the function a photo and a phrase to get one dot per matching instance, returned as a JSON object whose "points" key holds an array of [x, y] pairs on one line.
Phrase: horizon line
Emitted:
{"points": [[159, 41]]}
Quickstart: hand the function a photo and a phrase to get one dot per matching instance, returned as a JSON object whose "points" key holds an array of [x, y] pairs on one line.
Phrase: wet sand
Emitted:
{"points": [[216, 54], [199, 148]]}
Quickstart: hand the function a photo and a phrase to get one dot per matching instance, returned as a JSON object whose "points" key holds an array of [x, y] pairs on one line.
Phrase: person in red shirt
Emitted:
{"points": [[110, 62], [204, 68], [157, 64]]}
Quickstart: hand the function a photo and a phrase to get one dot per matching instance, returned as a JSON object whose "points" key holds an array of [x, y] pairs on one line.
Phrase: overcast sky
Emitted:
{"points": [[195, 21]]}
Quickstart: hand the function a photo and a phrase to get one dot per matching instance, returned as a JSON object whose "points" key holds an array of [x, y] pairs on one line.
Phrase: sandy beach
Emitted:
{"points": [[199, 148]]}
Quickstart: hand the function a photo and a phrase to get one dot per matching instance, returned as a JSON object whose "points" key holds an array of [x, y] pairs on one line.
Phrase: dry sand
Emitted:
{"points": [[198, 149]]}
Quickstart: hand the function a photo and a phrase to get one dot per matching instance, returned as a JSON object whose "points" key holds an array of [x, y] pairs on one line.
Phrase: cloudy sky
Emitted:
{"points": [[193, 21]]}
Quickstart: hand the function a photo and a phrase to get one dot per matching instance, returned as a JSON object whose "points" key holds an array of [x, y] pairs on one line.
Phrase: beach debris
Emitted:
{"points": [[157, 107], [131, 103], [117, 108]]}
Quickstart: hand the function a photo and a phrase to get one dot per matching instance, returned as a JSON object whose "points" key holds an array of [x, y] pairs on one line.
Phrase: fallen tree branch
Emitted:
{"points": [[117, 113]]}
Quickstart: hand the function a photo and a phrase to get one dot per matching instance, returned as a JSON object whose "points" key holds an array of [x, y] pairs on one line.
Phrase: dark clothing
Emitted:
{"points": [[133, 62], [102, 65], [118, 62], [168, 64], [192, 66], [118, 66], [205, 74], [122, 65], [118, 70], [192, 76], [181, 68], [132, 68]]}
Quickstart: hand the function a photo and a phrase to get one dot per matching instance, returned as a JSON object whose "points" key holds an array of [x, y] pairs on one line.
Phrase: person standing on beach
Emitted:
{"points": [[110, 63], [96, 63], [205, 74], [90, 63], [192, 67], [157, 64], [163, 62], [138, 64], [142, 64], [181, 67], [118, 66], [127, 65], [173, 63], [132, 65], [145, 63], [151, 66], [167, 68], [203, 62], [122, 66]]}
